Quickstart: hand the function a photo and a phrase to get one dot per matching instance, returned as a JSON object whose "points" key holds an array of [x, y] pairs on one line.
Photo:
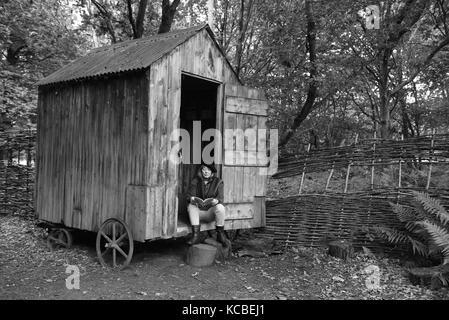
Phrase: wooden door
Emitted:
{"points": [[245, 156]]}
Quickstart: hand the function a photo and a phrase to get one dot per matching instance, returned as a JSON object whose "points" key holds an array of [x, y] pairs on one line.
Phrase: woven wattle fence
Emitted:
{"points": [[17, 171], [312, 220], [427, 150]]}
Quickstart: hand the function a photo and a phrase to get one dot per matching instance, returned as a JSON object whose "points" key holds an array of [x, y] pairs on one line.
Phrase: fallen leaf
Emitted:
{"points": [[337, 278]]}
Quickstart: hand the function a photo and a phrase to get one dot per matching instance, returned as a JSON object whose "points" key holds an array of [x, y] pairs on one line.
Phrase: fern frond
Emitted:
{"points": [[419, 247], [391, 235], [412, 227], [433, 206], [404, 213], [440, 236]]}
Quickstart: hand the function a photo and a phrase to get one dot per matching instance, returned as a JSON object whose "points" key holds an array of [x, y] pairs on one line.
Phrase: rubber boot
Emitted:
{"points": [[195, 235], [222, 238]]}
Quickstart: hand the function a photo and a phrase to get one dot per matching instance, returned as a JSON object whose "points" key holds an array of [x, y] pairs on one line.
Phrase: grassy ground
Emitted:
{"points": [[29, 270]]}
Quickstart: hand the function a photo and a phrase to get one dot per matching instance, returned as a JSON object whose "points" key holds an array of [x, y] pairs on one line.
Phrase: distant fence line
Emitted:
{"points": [[311, 219], [17, 170], [427, 150]]}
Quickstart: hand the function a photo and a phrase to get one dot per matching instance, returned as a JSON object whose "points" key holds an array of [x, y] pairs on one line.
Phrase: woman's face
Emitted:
{"points": [[206, 172]]}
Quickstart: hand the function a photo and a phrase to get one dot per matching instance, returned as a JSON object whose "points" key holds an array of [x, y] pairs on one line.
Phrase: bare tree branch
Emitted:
{"points": [[423, 66], [107, 17]]}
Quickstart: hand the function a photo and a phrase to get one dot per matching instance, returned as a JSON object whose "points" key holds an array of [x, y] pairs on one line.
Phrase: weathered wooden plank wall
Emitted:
{"points": [[92, 144], [244, 185], [198, 56]]}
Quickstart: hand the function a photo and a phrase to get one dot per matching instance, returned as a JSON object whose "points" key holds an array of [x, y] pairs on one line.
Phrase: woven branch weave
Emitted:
{"points": [[312, 220], [17, 177], [367, 152]]}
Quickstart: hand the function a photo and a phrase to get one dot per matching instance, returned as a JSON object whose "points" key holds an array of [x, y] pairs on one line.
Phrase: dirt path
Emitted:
{"points": [[30, 271]]}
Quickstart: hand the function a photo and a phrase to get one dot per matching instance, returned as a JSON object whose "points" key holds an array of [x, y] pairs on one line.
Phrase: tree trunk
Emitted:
{"points": [[405, 123], [239, 49], [141, 18], [168, 14], [384, 96], [313, 86]]}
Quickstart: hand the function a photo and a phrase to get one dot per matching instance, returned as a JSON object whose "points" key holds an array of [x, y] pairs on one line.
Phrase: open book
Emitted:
{"points": [[204, 204]]}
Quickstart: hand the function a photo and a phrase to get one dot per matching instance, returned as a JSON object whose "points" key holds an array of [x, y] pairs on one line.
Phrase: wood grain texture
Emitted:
{"points": [[92, 145], [198, 57], [245, 155]]}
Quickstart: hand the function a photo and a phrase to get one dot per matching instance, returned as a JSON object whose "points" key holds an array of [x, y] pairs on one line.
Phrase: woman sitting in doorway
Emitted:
{"points": [[206, 186]]}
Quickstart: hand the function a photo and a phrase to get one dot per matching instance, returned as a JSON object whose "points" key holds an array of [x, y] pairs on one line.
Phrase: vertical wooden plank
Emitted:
{"points": [[240, 140], [261, 177], [228, 184], [229, 124], [219, 125], [259, 212], [249, 183], [251, 145], [238, 184], [174, 106], [135, 210]]}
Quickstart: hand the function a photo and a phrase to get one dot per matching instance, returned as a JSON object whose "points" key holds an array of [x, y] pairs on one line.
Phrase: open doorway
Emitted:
{"points": [[198, 103]]}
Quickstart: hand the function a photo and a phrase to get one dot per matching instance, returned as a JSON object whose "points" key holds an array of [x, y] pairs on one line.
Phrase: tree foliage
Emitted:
{"points": [[327, 75], [36, 38]]}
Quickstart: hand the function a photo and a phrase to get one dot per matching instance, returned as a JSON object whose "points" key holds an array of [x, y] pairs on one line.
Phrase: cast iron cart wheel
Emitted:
{"points": [[115, 244], [58, 238]]}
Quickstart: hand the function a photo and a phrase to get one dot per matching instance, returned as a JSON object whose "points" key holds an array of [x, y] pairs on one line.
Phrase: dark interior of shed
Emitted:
{"points": [[198, 103]]}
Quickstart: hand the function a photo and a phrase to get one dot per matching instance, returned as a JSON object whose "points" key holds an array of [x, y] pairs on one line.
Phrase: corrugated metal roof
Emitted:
{"points": [[124, 56]]}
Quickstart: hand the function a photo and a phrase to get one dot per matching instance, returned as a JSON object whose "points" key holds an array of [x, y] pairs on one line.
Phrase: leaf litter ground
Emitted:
{"points": [[30, 270]]}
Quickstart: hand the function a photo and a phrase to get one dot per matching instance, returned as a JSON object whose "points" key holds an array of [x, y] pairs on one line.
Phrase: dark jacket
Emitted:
{"points": [[197, 188]]}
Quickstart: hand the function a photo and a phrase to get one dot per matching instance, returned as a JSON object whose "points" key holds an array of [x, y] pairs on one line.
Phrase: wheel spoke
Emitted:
{"points": [[57, 241], [62, 240], [106, 251], [122, 252], [51, 238], [106, 237], [117, 234], [119, 240], [113, 232]]}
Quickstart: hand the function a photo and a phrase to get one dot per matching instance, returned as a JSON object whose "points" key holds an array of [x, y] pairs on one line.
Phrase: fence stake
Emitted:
{"points": [[429, 173], [349, 167], [303, 171], [372, 163], [330, 177], [400, 166]]}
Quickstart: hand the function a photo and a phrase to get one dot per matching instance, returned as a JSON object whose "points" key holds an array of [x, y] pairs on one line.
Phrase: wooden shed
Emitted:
{"points": [[104, 135]]}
